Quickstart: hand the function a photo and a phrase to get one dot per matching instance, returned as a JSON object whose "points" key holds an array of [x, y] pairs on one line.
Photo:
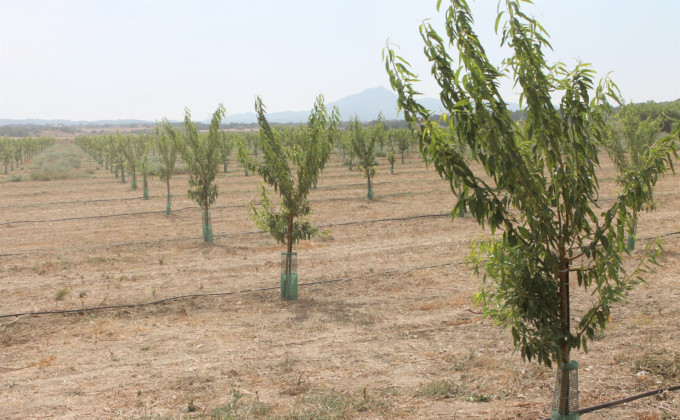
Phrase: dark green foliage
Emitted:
{"points": [[363, 146], [201, 154], [291, 164], [538, 179], [166, 145]]}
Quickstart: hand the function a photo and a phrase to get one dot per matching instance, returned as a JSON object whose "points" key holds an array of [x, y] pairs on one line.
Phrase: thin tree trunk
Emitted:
{"points": [[289, 257], [564, 316]]}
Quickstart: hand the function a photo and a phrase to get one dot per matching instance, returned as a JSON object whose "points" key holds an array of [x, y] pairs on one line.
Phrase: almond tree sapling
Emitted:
{"points": [[135, 149], [5, 154], [363, 145], [390, 153], [537, 182], [404, 140], [345, 144], [226, 145], [166, 144], [143, 144], [120, 143], [201, 154], [291, 168]]}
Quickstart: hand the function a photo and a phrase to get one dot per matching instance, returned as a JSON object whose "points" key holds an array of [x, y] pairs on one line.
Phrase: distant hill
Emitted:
{"points": [[34, 121], [366, 105]]}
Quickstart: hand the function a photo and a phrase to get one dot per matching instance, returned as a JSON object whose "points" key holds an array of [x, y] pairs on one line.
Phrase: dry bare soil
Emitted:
{"points": [[396, 336]]}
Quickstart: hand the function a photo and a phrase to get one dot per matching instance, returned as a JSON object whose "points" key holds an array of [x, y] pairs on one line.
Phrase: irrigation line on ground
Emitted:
{"points": [[75, 202], [233, 292], [102, 216], [256, 232], [321, 200], [185, 208], [625, 400], [245, 233]]}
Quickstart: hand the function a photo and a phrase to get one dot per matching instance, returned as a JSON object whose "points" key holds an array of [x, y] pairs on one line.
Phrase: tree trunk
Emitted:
{"points": [[167, 203], [289, 245], [146, 186], [564, 317]]}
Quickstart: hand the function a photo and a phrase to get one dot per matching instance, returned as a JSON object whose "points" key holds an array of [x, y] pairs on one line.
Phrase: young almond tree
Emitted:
{"points": [[120, 143], [142, 146], [404, 140], [111, 152], [226, 146], [201, 154], [363, 145], [5, 152], [166, 145], [537, 182], [390, 153], [344, 141], [291, 169], [135, 150]]}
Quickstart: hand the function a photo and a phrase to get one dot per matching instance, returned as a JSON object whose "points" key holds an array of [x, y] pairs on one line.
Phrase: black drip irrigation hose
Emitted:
{"points": [[198, 295], [421, 192], [103, 216], [245, 233], [624, 400], [184, 208], [258, 232]]}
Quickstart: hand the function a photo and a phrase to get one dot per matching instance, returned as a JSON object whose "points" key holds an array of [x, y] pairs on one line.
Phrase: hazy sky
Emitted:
{"points": [[145, 59]]}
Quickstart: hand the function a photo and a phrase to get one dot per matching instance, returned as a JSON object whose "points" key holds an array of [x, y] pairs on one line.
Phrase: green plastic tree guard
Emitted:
{"points": [[167, 204], [207, 227], [133, 184], [289, 280], [631, 239], [370, 194], [565, 407], [146, 194]]}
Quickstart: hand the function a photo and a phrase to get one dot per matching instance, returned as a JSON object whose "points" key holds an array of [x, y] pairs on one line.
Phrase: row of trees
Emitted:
{"points": [[289, 159], [13, 151], [203, 153]]}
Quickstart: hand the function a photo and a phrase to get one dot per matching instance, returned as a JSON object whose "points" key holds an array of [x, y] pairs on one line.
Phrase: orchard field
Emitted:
{"points": [[388, 330]]}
